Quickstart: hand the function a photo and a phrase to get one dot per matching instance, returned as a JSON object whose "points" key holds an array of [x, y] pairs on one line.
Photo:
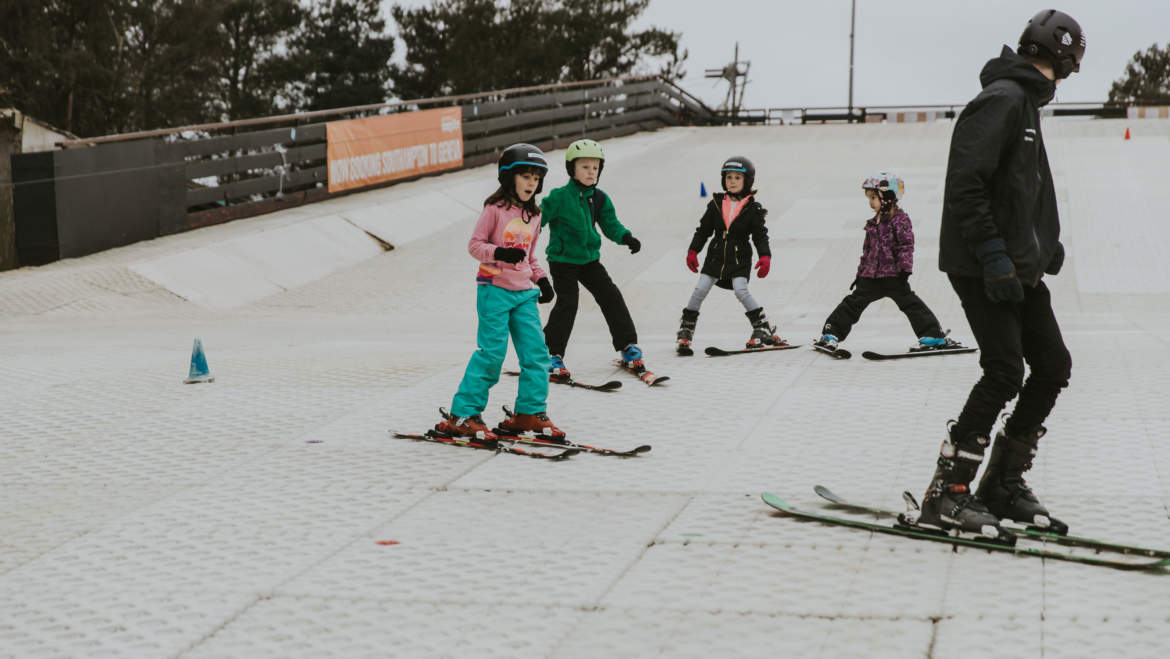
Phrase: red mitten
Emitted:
{"points": [[693, 260], [763, 266]]}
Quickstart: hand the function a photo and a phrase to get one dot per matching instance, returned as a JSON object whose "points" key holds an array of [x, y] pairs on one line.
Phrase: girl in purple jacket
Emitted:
{"points": [[887, 259]]}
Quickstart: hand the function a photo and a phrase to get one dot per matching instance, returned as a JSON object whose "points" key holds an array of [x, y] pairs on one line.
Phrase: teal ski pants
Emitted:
{"points": [[503, 312]]}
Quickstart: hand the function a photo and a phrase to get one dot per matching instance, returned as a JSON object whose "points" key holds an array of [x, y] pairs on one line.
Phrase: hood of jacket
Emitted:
{"points": [[1012, 66]]}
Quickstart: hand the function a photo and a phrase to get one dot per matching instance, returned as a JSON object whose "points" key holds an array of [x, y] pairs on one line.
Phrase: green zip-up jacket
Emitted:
{"points": [[569, 213]]}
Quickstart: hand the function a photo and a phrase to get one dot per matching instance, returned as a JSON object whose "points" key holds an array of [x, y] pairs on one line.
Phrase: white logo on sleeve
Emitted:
{"points": [[1029, 134]]}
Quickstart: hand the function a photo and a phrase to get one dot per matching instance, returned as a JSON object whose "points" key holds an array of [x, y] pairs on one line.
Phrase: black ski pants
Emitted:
{"points": [[1008, 336], [868, 291], [595, 279]]}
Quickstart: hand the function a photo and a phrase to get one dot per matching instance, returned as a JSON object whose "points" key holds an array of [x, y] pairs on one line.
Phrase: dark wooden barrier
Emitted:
{"points": [[102, 192]]}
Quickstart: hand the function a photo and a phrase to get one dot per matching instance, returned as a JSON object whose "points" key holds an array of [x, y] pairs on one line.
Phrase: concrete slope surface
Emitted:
{"points": [[270, 514]]}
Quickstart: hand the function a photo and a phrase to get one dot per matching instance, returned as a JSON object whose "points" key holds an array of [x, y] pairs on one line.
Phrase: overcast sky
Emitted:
{"points": [[907, 52]]}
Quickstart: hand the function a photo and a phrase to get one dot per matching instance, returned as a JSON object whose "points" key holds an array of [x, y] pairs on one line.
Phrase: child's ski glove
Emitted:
{"points": [[693, 260], [546, 290], [510, 254], [1000, 283], [763, 266], [633, 243]]}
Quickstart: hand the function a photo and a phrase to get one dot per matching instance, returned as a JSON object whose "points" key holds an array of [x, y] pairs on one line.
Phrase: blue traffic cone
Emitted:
{"points": [[199, 370], [702, 189]]}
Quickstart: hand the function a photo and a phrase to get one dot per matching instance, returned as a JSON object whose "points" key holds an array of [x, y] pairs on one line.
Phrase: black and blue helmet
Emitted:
{"points": [[521, 155], [741, 165]]}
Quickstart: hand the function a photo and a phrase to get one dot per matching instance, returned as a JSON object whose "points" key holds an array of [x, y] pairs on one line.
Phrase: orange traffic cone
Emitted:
{"points": [[1127, 132]]}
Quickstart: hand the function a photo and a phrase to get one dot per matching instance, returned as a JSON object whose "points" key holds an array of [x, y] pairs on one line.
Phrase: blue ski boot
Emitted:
{"points": [[557, 370], [632, 357]]}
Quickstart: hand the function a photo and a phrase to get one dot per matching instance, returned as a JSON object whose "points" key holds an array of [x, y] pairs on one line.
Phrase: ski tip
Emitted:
{"points": [[826, 493], [712, 351], [773, 500]]}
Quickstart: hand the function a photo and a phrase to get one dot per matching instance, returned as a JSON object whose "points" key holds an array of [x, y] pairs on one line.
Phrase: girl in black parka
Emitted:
{"points": [[732, 218]]}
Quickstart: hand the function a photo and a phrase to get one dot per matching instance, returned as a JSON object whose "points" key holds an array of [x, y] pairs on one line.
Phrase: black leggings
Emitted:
{"points": [[592, 275], [1008, 336]]}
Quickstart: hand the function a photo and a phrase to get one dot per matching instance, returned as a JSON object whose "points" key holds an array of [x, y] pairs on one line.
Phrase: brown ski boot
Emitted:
{"points": [[471, 427], [537, 424]]}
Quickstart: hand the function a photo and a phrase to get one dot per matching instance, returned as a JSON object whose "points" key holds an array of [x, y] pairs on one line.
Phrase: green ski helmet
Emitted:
{"points": [[584, 149]]}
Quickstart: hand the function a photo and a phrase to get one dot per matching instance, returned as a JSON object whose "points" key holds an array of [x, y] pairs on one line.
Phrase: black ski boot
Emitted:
{"points": [[686, 332], [763, 333], [1002, 488], [948, 503]]}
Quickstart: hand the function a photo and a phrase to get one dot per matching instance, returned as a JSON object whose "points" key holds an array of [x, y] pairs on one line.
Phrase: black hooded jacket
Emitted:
{"points": [[730, 253], [998, 183]]}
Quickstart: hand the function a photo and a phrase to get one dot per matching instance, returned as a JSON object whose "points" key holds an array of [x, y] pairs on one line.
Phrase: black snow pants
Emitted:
{"points": [[595, 279], [1008, 336], [868, 291]]}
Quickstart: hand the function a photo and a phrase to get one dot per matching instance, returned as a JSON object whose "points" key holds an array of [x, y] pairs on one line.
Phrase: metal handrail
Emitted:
{"points": [[301, 116]]}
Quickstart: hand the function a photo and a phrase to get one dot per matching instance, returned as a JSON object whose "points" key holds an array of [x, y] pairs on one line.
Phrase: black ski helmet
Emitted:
{"points": [[741, 165], [1056, 38], [517, 155]]}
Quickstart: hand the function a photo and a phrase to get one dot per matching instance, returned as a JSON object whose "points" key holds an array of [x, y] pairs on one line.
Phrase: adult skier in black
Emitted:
{"points": [[1000, 235]]}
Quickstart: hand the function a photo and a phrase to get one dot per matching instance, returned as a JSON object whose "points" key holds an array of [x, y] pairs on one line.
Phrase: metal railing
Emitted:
{"points": [[897, 113]]}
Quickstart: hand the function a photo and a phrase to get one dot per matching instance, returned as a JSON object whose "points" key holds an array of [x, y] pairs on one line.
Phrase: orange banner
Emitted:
{"points": [[377, 149]]}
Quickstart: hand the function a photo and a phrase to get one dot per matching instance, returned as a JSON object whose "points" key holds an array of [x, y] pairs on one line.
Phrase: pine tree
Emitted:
{"points": [[467, 46], [1146, 79], [343, 54]]}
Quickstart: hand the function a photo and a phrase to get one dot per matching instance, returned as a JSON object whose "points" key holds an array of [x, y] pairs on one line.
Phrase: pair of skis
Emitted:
{"points": [[842, 353], [712, 351], [612, 385], [567, 448], [1031, 541], [648, 377]]}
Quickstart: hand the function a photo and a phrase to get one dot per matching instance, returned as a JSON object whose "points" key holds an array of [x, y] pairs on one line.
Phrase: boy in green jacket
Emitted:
{"points": [[574, 212]]}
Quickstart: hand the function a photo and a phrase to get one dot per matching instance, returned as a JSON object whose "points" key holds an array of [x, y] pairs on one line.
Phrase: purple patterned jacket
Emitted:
{"points": [[889, 247]]}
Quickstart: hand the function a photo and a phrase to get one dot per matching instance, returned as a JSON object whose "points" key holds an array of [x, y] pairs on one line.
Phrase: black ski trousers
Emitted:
{"points": [[1008, 336], [868, 291], [592, 275]]}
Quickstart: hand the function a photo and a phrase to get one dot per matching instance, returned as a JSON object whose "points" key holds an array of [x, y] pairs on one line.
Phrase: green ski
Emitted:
{"points": [[1161, 559]]}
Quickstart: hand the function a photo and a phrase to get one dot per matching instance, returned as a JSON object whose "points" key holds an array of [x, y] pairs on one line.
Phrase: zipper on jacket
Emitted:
{"points": [[724, 266]]}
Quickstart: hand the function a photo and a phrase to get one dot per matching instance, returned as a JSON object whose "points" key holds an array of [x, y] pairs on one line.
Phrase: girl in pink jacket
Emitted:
{"points": [[511, 281]]}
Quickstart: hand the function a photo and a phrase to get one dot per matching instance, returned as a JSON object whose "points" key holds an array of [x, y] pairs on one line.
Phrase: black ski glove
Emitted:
{"points": [[1000, 283], [546, 290], [509, 254], [1057, 261], [633, 243]]}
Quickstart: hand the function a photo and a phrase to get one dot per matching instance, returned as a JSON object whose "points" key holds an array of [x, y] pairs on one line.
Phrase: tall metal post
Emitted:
{"points": [[852, 22], [735, 65]]}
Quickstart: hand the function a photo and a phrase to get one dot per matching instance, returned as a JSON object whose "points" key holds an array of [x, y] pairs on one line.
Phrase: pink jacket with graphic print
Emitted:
{"points": [[504, 226], [888, 248]]}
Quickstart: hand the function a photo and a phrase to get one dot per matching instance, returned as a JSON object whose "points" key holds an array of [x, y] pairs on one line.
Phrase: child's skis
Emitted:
{"points": [[471, 442], [545, 441], [612, 385], [712, 351], [916, 352], [641, 373], [839, 353]]}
